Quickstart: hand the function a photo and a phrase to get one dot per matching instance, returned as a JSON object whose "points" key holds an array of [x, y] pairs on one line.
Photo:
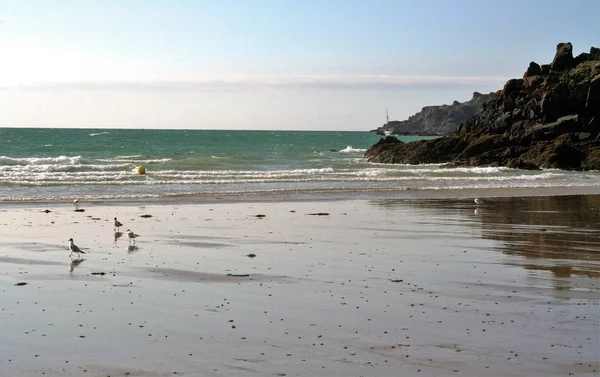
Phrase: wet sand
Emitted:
{"points": [[380, 287]]}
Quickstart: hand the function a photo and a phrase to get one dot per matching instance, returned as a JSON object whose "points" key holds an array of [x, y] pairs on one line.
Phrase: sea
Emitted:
{"points": [[45, 164]]}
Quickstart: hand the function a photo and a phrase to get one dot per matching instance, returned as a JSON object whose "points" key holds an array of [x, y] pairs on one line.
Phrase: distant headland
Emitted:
{"points": [[436, 120]]}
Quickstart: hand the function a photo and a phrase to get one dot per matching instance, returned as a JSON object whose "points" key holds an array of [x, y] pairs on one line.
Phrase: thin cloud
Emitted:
{"points": [[268, 81]]}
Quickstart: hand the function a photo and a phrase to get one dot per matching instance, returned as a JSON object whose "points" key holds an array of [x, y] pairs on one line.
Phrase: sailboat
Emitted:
{"points": [[387, 121], [381, 130]]}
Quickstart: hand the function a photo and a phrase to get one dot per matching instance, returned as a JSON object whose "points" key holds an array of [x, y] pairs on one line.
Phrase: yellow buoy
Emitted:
{"points": [[141, 170]]}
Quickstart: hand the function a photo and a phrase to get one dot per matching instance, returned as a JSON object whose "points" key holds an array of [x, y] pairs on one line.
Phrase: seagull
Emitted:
{"points": [[74, 248], [131, 235], [478, 201], [76, 201], [117, 224]]}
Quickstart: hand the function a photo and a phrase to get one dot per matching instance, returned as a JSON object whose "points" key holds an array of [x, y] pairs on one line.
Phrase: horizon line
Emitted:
{"points": [[260, 82], [187, 129]]}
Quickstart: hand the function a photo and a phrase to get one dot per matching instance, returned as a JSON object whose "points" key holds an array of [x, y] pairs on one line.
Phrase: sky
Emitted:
{"points": [[267, 64]]}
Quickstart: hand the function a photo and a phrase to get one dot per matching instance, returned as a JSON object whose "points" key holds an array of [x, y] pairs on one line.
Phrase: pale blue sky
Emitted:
{"points": [[250, 64]]}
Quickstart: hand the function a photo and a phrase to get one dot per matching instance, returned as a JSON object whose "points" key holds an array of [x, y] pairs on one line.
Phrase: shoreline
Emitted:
{"points": [[323, 195]]}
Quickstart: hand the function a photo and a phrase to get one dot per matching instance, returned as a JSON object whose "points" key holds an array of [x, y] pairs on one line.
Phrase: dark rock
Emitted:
{"points": [[581, 58], [592, 161], [583, 135], [563, 58], [559, 153], [593, 96], [532, 82], [534, 69], [512, 85], [545, 69], [388, 140], [547, 120], [517, 163], [483, 144], [549, 131]]}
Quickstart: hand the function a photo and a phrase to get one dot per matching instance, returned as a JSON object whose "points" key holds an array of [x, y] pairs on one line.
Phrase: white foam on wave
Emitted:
{"points": [[372, 172], [135, 160], [248, 172], [349, 149], [441, 169], [60, 160], [33, 169], [310, 171], [65, 169], [498, 185], [100, 133]]}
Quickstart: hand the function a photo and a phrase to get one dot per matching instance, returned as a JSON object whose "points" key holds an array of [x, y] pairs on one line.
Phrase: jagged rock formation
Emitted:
{"points": [[437, 120], [548, 119]]}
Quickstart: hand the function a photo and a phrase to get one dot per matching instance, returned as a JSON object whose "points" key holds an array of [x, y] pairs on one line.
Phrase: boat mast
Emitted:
{"points": [[387, 118]]}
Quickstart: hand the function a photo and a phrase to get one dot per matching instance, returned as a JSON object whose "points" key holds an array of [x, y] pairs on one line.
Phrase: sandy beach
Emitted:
{"points": [[367, 287]]}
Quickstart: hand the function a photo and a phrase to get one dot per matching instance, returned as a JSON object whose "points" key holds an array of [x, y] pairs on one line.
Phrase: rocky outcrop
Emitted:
{"points": [[548, 119], [563, 58], [436, 120]]}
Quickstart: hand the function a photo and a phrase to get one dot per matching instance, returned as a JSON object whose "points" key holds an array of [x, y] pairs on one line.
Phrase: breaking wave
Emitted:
{"points": [[349, 149], [60, 160]]}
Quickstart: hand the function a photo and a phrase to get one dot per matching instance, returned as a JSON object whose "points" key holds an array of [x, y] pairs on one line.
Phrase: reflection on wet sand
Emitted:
{"points": [[560, 234], [557, 234], [131, 249], [75, 263], [558, 271], [117, 235]]}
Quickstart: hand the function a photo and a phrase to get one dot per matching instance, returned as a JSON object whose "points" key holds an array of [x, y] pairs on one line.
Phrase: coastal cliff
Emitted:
{"points": [[437, 120], [550, 118]]}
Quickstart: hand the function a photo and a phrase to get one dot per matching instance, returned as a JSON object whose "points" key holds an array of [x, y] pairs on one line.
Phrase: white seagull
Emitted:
{"points": [[478, 201], [74, 248], [131, 235], [117, 224]]}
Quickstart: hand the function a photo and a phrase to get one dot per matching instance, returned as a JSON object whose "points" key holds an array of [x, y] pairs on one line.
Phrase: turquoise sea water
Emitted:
{"points": [[100, 164]]}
